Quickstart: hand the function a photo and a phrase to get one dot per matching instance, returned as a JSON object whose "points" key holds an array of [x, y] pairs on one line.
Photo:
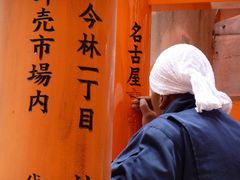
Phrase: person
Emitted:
{"points": [[187, 132]]}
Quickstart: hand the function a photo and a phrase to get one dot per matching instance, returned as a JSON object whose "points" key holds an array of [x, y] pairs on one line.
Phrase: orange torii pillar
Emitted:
{"points": [[56, 66], [132, 68]]}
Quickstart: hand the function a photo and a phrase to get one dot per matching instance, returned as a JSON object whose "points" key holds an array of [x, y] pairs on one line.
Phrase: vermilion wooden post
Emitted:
{"points": [[56, 75], [132, 68]]}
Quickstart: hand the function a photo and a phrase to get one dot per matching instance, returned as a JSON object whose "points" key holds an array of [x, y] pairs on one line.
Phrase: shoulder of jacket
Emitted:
{"points": [[170, 129]]}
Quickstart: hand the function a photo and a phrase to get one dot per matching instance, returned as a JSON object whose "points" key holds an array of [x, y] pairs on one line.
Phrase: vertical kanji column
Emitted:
{"points": [[56, 73], [132, 68]]}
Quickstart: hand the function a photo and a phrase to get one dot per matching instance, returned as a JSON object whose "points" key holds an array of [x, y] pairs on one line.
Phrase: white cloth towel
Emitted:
{"points": [[184, 68]]}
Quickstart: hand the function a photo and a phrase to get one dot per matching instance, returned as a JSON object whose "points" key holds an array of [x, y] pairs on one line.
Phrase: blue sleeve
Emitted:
{"points": [[151, 154]]}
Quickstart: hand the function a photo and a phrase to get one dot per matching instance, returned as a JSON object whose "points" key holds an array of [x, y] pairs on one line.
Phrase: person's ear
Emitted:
{"points": [[163, 102]]}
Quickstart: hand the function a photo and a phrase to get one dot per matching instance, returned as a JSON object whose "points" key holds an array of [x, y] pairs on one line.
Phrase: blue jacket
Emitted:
{"points": [[182, 144]]}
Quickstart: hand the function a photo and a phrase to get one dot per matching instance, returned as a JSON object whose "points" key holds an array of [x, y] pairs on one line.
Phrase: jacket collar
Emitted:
{"points": [[187, 101]]}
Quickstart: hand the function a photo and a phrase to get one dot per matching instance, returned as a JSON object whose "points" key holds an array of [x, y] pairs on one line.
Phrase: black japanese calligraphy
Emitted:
{"points": [[92, 16], [135, 57], [79, 178], [33, 177], [87, 46], [42, 100], [41, 77], [42, 46], [134, 78], [89, 83], [43, 19], [86, 118], [136, 28], [84, 68]]}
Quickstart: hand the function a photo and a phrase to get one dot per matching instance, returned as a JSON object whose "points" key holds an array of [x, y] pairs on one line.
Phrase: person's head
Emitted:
{"points": [[161, 102], [181, 69]]}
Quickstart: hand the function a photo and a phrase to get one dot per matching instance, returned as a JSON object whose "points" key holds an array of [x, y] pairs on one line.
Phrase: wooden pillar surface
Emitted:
{"points": [[56, 75], [132, 68]]}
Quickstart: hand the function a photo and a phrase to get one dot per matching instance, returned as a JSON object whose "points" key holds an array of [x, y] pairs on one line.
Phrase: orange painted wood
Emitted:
{"points": [[235, 113], [126, 120], [51, 145]]}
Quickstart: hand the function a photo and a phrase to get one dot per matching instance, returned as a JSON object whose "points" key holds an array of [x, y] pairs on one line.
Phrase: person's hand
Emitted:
{"points": [[147, 113], [144, 105]]}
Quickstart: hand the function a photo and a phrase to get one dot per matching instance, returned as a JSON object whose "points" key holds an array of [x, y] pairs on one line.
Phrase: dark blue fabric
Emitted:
{"points": [[182, 144]]}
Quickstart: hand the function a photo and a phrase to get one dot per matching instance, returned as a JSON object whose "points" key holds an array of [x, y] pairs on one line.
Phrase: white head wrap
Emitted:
{"points": [[184, 68]]}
